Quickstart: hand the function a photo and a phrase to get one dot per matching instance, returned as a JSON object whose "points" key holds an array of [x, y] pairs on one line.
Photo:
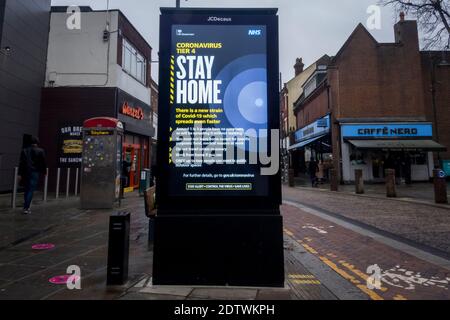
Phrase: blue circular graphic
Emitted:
{"points": [[245, 95], [252, 102]]}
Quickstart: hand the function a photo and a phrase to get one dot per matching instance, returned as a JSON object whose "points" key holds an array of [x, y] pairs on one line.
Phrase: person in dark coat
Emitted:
{"points": [[312, 170], [32, 165]]}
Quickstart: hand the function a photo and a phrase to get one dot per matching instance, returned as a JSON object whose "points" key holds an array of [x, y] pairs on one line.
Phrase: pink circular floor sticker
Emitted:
{"points": [[63, 279], [43, 246]]}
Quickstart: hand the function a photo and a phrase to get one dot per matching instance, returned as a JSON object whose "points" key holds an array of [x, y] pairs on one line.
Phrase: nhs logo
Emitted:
{"points": [[255, 32]]}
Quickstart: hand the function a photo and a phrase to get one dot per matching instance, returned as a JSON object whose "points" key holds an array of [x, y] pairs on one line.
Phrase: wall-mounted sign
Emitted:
{"points": [[70, 146], [319, 127], [136, 115], [387, 130], [134, 112]]}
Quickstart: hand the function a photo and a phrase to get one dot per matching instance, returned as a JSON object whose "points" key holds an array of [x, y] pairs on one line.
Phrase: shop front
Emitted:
{"points": [[374, 147], [65, 109], [138, 122], [313, 141]]}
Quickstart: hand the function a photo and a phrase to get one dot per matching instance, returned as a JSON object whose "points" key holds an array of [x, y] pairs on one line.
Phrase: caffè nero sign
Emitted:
{"points": [[387, 130]]}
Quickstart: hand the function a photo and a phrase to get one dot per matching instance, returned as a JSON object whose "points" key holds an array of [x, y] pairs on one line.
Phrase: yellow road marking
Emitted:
{"points": [[301, 276], [310, 249], [399, 297], [372, 294], [359, 273]]}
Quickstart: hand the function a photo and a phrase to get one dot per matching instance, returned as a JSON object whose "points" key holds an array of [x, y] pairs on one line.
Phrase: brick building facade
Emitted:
{"points": [[376, 97]]}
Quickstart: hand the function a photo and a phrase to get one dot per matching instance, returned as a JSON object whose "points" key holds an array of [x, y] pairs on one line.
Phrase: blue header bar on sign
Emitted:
{"points": [[387, 130], [320, 127]]}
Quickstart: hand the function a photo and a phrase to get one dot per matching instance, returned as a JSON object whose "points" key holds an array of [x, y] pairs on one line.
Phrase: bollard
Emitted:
{"points": [[359, 181], [390, 183], [334, 183], [440, 187], [68, 183], [14, 193], [57, 183], [291, 178], [46, 185], [76, 181]]}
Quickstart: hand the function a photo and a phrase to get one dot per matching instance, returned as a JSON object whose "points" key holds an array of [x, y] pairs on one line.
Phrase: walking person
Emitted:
{"points": [[312, 170], [32, 165]]}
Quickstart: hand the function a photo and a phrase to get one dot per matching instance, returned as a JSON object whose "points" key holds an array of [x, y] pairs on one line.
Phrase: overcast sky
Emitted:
{"points": [[308, 28]]}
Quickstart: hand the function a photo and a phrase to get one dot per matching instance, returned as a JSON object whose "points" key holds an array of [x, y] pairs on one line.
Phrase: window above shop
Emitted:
{"points": [[133, 62], [314, 80]]}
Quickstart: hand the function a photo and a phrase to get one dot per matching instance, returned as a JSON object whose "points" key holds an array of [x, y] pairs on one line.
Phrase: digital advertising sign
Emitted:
{"points": [[219, 107], [218, 187]]}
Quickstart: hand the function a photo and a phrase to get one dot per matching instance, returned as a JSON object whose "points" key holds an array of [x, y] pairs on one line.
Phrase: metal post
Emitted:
{"points": [[46, 186], [390, 183], [177, 3], [76, 182], [57, 183], [334, 183], [68, 183], [359, 182], [14, 194], [440, 186], [291, 178]]}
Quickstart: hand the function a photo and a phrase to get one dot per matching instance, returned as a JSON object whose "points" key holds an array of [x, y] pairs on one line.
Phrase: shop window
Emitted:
{"points": [[357, 157], [419, 159]]}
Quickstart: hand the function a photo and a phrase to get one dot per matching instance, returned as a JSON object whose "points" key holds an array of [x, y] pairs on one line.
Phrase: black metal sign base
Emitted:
{"points": [[236, 250]]}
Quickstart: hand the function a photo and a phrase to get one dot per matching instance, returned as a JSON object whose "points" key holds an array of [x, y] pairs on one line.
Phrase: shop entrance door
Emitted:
{"points": [[132, 165]]}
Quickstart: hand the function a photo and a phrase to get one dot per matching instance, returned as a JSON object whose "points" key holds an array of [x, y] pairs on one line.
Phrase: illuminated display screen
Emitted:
{"points": [[218, 110]]}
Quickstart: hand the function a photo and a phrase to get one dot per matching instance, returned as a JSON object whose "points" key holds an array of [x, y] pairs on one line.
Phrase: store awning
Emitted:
{"points": [[305, 142], [425, 145]]}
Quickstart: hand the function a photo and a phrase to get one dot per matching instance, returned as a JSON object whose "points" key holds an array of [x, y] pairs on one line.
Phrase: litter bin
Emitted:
{"points": [[118, 248], [145, 181]]}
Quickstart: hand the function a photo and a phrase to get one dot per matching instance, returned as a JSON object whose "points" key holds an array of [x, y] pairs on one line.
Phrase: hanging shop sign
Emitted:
{"points": [[318, 128]]}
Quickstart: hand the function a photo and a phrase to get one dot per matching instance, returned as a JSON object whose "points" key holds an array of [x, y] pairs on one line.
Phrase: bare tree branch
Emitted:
{"points": [[433, 19]]}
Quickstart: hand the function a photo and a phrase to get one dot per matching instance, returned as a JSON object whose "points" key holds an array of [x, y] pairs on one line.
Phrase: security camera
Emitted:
{"points": [[5, 50], [106, 36]]}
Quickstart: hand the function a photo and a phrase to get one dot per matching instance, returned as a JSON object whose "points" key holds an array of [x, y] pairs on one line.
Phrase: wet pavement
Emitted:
{"points": [[423, 224], [418, 192], [330, 242], [360, 258]]}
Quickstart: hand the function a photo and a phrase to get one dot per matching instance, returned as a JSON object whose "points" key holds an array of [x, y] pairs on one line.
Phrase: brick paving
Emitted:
{"points": [[349, 254], [423, 224]]}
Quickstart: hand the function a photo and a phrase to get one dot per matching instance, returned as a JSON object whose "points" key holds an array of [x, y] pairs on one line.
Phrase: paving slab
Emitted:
{"points": [[171, 291], [224, 293], [11, 272], [274, 294]]}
